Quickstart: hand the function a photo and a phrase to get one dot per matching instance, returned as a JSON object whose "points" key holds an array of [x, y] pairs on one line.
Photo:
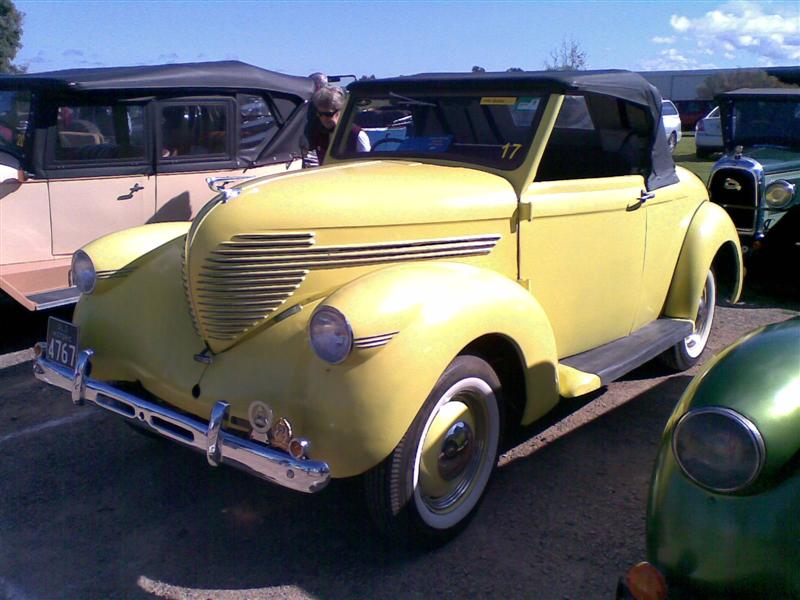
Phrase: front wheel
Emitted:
{"points": [[432, 483], [672, 141], [686, 353]]}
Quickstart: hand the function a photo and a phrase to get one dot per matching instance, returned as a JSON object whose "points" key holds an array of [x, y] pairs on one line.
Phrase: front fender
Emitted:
{"points": [[710, 230], [115, 253], [429, 313]]}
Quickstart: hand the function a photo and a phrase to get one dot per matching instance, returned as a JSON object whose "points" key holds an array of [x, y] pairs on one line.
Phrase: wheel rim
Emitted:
{"points": [[456, 453], [695, 343]]}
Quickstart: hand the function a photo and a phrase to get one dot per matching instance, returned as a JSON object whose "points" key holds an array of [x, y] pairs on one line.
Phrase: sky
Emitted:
{"points": [[396, 38]]}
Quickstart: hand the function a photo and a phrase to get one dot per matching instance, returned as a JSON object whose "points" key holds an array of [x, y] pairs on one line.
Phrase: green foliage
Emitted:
{"points": [[10, 36], [477, 69], [567, 57], [735, 79]]}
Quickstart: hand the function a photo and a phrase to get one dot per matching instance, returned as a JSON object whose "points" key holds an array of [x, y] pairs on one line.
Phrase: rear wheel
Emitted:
{"points": [[686, 353], [431, 485]]}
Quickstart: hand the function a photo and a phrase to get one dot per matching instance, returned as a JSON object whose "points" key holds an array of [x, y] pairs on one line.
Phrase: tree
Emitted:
{"points": [[567, 57], [477, 69], [735, 79], [514, 70], [10, 36]]}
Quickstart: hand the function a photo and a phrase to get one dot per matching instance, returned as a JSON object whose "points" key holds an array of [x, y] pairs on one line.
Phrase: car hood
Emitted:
{"points": [[296, 234]]}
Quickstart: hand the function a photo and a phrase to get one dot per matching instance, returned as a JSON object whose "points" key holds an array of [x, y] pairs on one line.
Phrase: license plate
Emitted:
{"points": [[62, 342]]}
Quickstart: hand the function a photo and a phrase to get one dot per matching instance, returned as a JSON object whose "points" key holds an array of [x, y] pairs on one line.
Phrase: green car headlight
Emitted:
{"points": [[83, 273], [718, 448], [330, 335], [779, 194]]}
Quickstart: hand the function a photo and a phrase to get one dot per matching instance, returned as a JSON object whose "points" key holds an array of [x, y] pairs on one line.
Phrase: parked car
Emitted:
{"points": [[708, 134], [87, 152], [722, 514], [756, 180], [672, 123], [692, 111], [513, 238]]}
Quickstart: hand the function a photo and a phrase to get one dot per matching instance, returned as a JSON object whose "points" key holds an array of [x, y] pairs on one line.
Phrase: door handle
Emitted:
{"points": [[644, 196], [136, 188]]}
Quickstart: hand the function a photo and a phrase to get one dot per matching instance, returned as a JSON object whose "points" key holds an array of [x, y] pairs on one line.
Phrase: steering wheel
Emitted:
{"points": [[386, 140]]}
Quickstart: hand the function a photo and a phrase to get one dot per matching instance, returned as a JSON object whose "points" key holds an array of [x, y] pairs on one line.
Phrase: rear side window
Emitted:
{"points": [[194, 131], [667, 108], [100, 132], [597, 136], [258, 124]]}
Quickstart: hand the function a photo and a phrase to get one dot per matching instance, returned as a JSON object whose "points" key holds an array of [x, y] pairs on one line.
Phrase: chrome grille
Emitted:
{"points": [[244, 280], [736, 190]]}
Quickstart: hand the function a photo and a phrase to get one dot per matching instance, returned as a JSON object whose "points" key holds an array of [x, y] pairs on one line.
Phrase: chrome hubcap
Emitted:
{"points": [[457, 451]]}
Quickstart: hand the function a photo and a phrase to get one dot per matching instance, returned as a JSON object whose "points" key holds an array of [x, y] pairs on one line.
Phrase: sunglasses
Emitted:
{"points": [[330, 114]]}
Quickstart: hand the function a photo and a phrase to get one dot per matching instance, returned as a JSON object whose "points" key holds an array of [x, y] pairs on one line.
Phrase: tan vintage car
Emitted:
{"points": [[87, 152], [509, 239]]}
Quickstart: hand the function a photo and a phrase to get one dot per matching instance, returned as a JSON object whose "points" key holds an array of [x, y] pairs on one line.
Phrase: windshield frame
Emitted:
{"points": [[428, 95]]}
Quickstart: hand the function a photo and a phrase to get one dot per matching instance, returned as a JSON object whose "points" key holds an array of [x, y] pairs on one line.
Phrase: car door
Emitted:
{"points": [[582, 250], [99, 169]]}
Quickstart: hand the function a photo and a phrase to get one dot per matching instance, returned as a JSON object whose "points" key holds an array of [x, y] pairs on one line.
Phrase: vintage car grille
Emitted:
{"points": [[737, 192], [246, 279]]}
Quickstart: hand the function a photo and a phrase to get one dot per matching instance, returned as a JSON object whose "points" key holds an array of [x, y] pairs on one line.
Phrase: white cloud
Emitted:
{"points": [[764, 32], [664, 39], [672, 59]]}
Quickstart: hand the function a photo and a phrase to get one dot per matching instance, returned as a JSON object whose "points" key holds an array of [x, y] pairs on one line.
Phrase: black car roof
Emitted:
{"points": [[625, 85], [746, 92], [199, 76]]}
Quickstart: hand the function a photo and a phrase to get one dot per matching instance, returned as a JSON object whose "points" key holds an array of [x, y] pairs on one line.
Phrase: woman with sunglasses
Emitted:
{"points": [[329, 102]]}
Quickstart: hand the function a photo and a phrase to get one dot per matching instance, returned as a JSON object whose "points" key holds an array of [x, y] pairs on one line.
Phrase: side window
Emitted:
{"points": [[99, 132], [258, 124], [194, 131], [667, 108], [596, 136]]}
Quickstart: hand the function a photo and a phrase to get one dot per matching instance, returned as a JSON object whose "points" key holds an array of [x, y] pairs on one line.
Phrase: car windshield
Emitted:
{"points": [[489, 129], [766, 122], [14, 112]]}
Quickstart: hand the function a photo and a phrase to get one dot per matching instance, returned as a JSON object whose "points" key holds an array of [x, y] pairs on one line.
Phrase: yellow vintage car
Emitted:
{"points": [[507, 239]]}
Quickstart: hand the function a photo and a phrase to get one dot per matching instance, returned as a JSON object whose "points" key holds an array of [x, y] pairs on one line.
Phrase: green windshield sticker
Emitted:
{"points": [[527, 104]]}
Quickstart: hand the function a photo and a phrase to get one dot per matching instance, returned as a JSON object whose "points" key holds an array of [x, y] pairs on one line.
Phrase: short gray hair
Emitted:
{"points": [[329, 98], [320, 80]]}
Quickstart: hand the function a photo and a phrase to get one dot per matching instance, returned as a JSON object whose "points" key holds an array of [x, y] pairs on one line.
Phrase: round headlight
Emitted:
{"points": [[83, 274], [331, 335], [718, 448], [779, 194]]}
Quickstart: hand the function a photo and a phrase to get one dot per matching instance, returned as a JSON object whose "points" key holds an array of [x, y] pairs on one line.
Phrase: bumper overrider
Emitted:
{"points": [[219, 446]]}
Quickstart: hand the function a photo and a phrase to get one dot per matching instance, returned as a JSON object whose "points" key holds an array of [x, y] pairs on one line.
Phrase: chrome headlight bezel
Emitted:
{"points": [[749, 433], [82, 273], [779, 194], [327, 321]]}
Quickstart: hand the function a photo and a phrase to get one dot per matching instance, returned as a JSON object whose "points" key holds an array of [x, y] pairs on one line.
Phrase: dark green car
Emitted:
{"points": [[723, 517], [756, 180]]}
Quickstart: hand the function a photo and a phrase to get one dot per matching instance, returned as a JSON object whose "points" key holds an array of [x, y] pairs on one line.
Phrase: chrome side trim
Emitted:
{"points": [[114, 273], [261, 461], [374, 341]]}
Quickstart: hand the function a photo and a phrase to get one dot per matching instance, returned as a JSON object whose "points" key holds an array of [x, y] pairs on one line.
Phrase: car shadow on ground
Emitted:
{"points": [[147, 518]]}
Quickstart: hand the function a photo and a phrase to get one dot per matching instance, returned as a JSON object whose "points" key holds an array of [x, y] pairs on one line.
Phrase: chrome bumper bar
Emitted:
{"points": [[219, 446]]}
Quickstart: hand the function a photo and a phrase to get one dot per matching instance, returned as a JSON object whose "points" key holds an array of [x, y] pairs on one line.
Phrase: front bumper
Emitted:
{"points": [[219, 446]]}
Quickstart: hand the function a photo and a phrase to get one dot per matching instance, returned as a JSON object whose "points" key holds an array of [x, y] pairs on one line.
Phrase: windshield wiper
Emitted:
{"points": [[412, 101]]}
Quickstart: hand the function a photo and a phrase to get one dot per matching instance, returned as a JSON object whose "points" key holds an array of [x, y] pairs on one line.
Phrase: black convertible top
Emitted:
{"points": [[760, 92], [625, 85], [231, 74]]}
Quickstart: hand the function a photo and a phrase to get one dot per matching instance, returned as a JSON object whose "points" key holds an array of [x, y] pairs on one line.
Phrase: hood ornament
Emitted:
{"points": [[737, 152], [219, 185]]}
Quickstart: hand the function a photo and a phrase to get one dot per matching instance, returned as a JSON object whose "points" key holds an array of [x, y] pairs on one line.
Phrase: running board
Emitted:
{"points": [[613, 360]]}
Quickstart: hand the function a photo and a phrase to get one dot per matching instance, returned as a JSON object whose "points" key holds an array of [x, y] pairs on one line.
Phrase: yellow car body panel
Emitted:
{"points": [[710, 229]]}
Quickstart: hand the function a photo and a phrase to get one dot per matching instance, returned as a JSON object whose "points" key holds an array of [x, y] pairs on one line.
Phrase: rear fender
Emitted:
{"points": [[709, 232], [427, 314]]}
